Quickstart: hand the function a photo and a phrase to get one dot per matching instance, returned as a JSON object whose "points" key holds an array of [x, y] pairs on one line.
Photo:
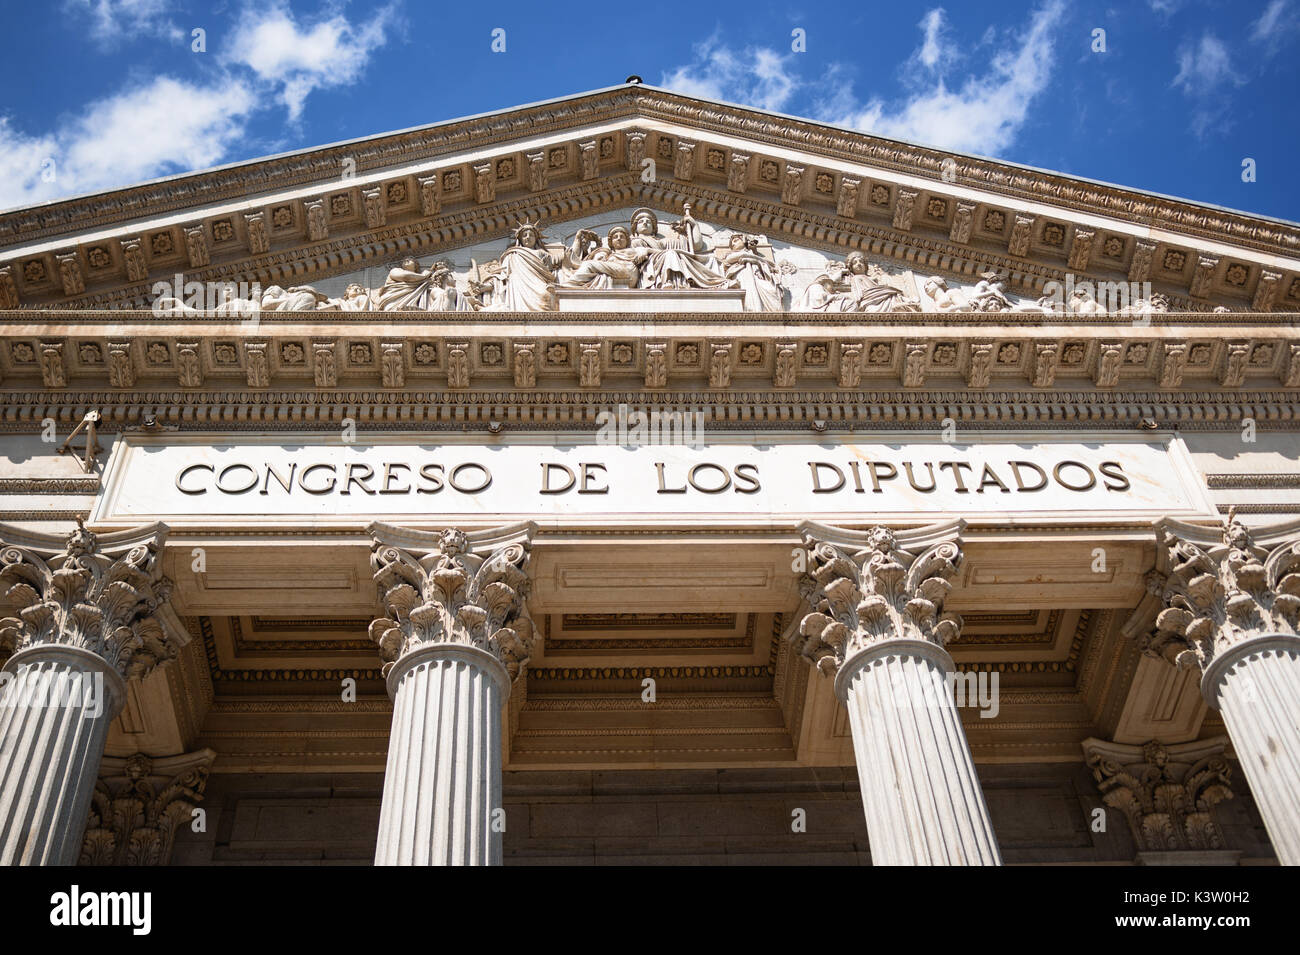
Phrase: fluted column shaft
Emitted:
{"points": [[1231, 606], [55, 712], [921, 795], [442, 784], [1256, 688], [877, 623]]}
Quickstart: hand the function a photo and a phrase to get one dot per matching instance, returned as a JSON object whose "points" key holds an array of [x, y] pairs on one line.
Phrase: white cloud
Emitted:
{"points": [[168, 125], [300, 58], [754, 76], [163, 127], [936, 51], [113, 20], [981, 113], [1204, 66], [1272, 27]]}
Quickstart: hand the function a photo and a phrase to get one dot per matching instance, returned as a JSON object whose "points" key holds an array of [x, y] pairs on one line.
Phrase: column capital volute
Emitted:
{"points": [[1220, 589], [98, 593], [453, 588], [867, 588]]}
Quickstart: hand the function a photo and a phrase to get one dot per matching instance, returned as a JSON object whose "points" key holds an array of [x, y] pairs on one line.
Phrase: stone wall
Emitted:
{"points": [[1041, 814]]}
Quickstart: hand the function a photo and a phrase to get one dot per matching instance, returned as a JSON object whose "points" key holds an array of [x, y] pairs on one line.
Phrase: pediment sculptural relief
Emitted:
{"points": [[684, 256]]}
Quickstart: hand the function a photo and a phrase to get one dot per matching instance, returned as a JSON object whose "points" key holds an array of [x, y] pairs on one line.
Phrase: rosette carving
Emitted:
{"points": [[877, 586], [464, 589], [1220, 587], [100, 595]]}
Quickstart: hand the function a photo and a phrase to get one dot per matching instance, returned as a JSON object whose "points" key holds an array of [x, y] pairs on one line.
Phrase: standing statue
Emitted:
{"points": [[679, 260], [743, 266], [604, 266], [527, 273]]}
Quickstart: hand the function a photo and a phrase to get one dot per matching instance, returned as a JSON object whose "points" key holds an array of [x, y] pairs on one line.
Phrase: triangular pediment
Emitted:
{"points": [[329, 214]]}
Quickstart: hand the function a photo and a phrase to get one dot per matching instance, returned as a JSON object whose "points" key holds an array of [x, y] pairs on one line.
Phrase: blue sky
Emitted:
{"points": [[105, 93]]}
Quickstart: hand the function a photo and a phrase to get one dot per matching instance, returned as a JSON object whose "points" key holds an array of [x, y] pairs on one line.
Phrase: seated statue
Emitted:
{"points": [[604, 266], [410, 289], [854, 286], [681, 259]]}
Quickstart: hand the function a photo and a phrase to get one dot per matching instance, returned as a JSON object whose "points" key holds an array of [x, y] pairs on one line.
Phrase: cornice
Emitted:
{"points": [[837, 216]]}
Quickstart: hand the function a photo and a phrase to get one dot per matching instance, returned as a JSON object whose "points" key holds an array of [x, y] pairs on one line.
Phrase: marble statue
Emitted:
{"points": [[742, 265], [681, 259], [855, 286], [410, 289], [615, 263], [526, 274]]}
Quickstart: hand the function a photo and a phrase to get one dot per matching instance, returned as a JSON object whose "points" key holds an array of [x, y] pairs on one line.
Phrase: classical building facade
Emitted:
{"points": [[635, 478]]}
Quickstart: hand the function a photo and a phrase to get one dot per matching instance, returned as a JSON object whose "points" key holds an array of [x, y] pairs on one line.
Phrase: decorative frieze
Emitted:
{"points": [[137, 270], [189, 373], [904, 206], [392, 364], [1236, 359], [684, 161], [1203, 277], [53, 372], [963, 220], [1022, 231], [1080, 249], [317, 224], [846, 200], [325, 363], [259, 238], [1172, 365], [525, 365], [256, 365], [538, 175], [738, 173], [792, 184], [70, 274], [196, 247], [634, 149], [372, 202], [850, 365], [458, 365], [1139, 269], [1047, 356], [121, 370]]}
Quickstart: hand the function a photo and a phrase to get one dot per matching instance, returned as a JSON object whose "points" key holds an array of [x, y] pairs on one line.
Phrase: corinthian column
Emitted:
{"points": [[1231, 599], [451, 651], [878, 627], [85, 624]]}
